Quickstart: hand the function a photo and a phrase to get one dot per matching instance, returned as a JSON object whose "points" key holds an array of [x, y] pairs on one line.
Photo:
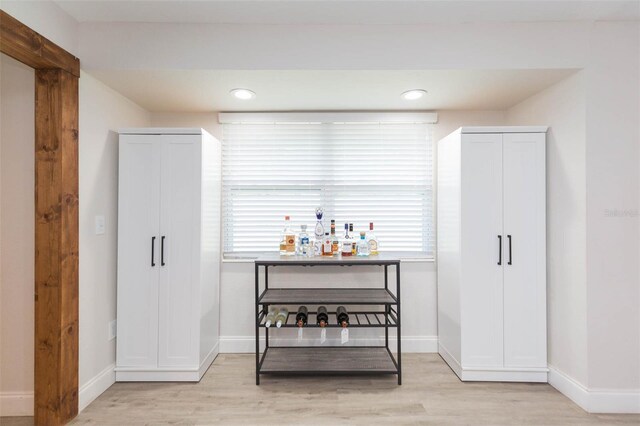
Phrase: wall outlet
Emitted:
{"points": [[112, 330], [100, 225]]}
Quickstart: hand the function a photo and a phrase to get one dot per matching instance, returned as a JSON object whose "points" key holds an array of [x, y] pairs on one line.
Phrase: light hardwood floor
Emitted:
{"points": [[431, 394]]}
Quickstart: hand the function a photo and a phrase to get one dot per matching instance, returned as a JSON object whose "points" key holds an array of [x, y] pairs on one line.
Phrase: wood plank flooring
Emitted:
{"points": [[431, 394]]}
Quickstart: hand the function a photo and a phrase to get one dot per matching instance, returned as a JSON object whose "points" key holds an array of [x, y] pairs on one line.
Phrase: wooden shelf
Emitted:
{"points": [[328, 296], [328, 360]]}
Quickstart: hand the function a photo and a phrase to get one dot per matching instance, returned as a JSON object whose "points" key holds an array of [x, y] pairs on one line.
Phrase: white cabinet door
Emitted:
{"points": [[481, 228], [138, 230], [180, 239], [524, 230]]}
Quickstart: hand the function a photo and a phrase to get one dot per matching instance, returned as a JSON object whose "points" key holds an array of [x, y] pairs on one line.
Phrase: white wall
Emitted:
{"points": [[613, 183], [418, 278], [102, 112], [17, 206], [47, 19], [563, 108]]}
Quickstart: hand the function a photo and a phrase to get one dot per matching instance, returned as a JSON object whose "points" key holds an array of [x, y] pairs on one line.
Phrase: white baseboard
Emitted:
{"points": [[410, 344], [96, 386], [16, 404], [595, 400]]}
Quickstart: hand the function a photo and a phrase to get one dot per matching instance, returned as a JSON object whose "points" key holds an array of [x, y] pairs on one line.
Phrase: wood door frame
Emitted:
{"points": [[56, 218]]}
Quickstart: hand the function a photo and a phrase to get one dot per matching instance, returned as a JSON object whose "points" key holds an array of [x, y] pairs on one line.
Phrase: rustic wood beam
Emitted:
{"points": [[27, 46], [56, 216], [56, 260]]}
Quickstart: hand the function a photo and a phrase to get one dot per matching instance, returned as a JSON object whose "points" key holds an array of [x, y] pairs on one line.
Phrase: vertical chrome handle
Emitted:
{"points": [[162, 251], [510, 259], [153, 247], [499, 249]]}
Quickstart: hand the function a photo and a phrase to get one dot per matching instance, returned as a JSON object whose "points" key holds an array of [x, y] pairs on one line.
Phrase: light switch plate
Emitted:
{"points": [[100, 225], [112, 330]]}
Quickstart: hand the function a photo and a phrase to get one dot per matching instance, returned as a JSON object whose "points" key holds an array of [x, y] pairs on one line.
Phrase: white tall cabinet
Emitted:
{"points": [[491, 253], [168, 254]]}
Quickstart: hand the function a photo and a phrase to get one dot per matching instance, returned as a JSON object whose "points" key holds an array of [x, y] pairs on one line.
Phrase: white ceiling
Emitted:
{"points": [[348, 11], [208, 90]]}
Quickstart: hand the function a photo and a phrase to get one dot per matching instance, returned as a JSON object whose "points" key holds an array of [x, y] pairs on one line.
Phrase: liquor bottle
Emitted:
{"points": [[335, 241], [319, 231], [288, 240], [271, 317], [363, 246], [354, 241], [302, 316], [281, 318], [303, 242], [372, 240], [347, 242], [343, 316], [322, 317], [326, 245]]}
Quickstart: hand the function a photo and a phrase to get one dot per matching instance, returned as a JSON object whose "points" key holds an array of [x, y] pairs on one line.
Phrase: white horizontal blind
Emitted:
{"points": [[358, 172]]}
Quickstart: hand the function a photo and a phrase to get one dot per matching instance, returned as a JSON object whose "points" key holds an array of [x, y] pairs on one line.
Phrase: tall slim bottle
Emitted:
{"points": [[372, 240]]}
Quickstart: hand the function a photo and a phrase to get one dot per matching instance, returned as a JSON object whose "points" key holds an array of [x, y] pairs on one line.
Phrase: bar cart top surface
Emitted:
{"points": [[277, 259]]}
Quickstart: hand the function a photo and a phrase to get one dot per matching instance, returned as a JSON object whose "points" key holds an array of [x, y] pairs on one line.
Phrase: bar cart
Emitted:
{"points": [[382, 311]]}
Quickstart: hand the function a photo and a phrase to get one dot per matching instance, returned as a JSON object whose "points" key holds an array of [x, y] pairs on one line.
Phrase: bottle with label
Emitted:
{"points": [[302, 316], [347, 242], [319, 231], [335, 241], [304, 247], [326, 245], [281, 317], [343, 316], [271, 317], [354, 241], [363, 246], [288, 239], [322, 317], [372, 240]]}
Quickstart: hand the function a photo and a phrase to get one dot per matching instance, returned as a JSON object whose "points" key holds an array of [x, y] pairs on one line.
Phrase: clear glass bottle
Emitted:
{"points": [[363, 246], [372, 240], [271, 317], [318, 233], [288, 239], [281, 317], [347, 242], [304, 246], [335, 241]]}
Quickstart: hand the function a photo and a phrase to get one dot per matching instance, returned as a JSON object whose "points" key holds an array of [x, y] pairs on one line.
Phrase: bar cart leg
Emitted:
{"points": [[386, 308], [257, 329], [399, 337]]}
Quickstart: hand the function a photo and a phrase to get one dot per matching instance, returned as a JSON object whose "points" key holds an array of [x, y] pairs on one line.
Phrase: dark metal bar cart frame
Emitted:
{"points": [[382, 310]]}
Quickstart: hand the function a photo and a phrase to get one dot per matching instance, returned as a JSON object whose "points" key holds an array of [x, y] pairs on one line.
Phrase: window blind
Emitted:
{"points": [[358, 172]]}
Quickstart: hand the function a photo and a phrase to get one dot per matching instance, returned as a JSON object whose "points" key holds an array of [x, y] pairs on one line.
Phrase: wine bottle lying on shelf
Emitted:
{"points": [[271, 317], [343, 316], [302, 316], [281, 318], [322, 317]]}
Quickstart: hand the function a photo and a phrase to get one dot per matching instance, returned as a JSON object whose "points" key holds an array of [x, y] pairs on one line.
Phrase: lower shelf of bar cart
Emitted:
{"points": [[328, 360]]}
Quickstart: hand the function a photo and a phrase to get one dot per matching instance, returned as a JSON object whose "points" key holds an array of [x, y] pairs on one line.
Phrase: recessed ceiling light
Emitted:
{"points": [[412, 95], [243, 94]]}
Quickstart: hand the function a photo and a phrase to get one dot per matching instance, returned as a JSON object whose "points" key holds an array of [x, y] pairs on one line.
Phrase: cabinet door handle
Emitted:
{"points": [[509, 238], [153, 251], [162, 251], [499, 249]]}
